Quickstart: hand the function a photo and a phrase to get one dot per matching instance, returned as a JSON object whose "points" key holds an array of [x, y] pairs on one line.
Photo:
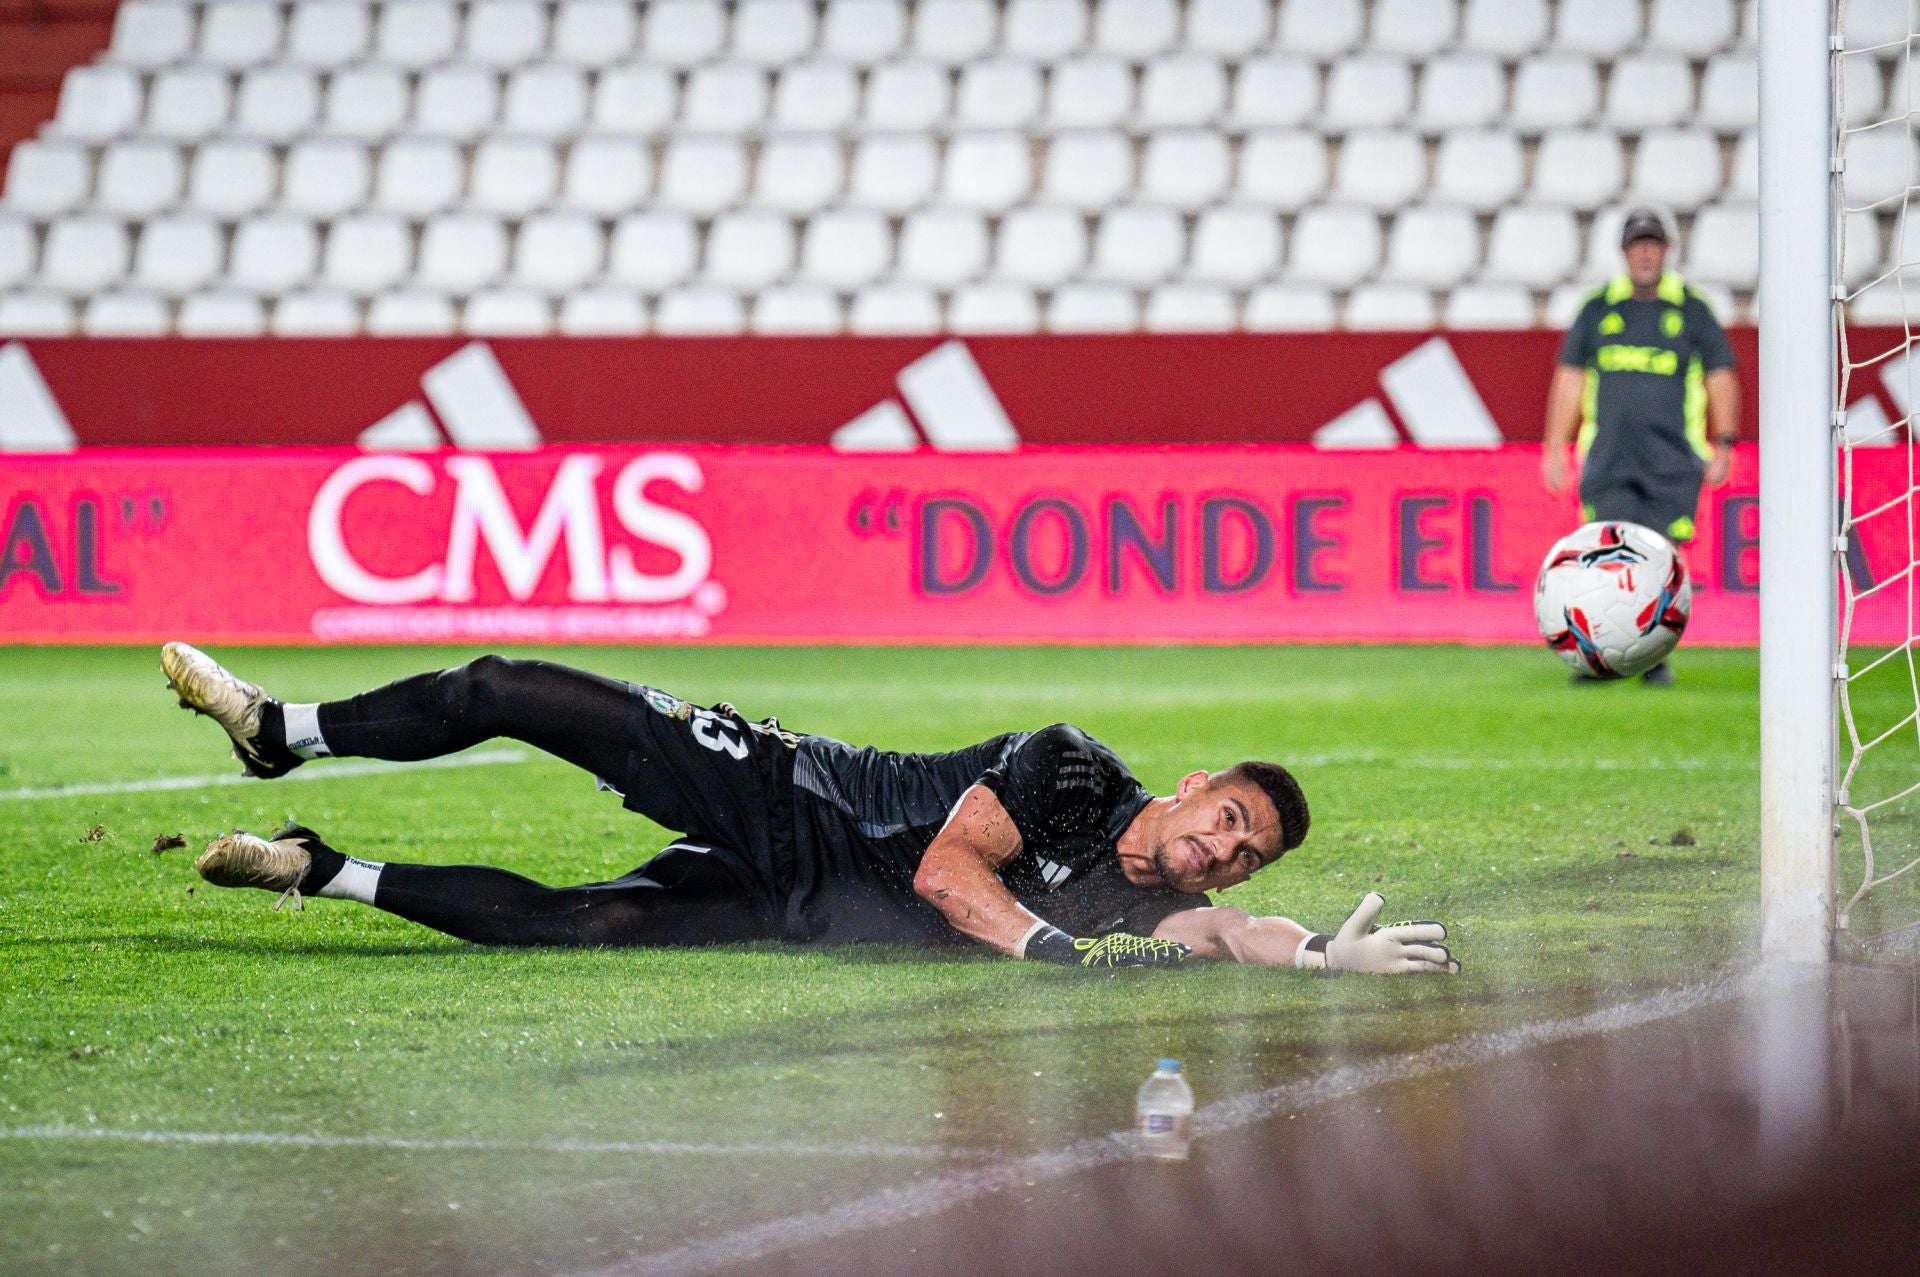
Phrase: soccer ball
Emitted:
{"points": [[1612, 599]]}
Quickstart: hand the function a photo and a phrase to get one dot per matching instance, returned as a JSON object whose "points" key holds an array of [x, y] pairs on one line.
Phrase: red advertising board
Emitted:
{"points": [[704, 543]]}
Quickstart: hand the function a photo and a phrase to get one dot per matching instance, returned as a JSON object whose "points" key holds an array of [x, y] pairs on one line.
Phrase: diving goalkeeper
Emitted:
{"points": [[1040, 845]]}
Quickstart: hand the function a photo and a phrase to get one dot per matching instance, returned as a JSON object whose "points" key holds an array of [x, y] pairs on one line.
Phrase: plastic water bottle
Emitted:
{"points": [[1164, 1112]]}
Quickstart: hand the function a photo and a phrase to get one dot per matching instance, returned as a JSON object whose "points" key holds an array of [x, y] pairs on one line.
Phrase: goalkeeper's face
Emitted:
{"points": [[1216, 834]]}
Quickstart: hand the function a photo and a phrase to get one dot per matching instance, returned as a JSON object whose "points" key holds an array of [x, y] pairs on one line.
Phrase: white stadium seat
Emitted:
{"points": [[277, 103], [1882, 24], [460, 252], [595, 33], [458, 101], [1880, 164], [35, 315], [48, 178], [1603, 259], [1413, 28], [702, 174], [1489, 306], [546, 100], [314, 314], [952, 31], [1276, 92], [1649, 91], [1235, 244], [1041, 245], [513, 176], [123, 315], [907, 96], [1554, 91], [1093, 308], [239, 35], [410, 314], [1597, 30], [1087, 170], [989, 171], [418, 176], [1384, 168], [1480, 168], [815, 97], [653, 250], [1860, 248], [367, 253], [979, 309], [607, 175], [84, 254], [221, 314], [1389, 306], [1863, 84], [558, 252], [1730, 91], [862, 31], [942, 247], [1467, 90], [273, 253], [1189, 308], [1744, 182], [325, 177], [635, 99], [1724, 247], [724, 97], [1677, 168], [18, 251], [369, 102], [178, 254], [1321, 29], [602, 312], [1046, 30], [749, 249], [186, 103], [151, 33], [328, 33], [1582, 168], [1368, 91], [799, 173], [997, 93], [1187, 168], [1433, 245], [504, 33], [1089, 92], [506, 312], [1508, 28], [1694, 28], [1335, 245], [794, 310], [772, 33], [98, 102], [894, 310], [845, 248], [700, 312], [416, 34], [1228, 28], [1182, 89], [1138, 244], [1284, 167], [892, 171], [1288, 308], [1135, 29], [138, 179], [1531, 245], [230, 178]]}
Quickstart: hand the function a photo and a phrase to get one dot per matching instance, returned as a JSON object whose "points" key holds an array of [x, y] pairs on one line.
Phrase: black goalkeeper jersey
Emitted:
{"points": [[863, 818]]}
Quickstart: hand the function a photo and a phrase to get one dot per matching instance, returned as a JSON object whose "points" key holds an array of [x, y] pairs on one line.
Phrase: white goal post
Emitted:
{"points": [[1799, 432]]}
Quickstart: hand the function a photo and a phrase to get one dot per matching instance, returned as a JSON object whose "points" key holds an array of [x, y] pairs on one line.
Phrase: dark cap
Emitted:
{"points": [[1643, 223]]}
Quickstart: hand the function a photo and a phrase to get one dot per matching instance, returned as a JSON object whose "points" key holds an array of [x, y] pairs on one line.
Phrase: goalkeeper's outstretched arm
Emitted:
{"points": [[1234, 935]]}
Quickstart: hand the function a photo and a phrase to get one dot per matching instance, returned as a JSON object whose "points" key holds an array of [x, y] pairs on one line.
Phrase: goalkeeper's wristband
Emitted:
{"points": [[1312, 953]]}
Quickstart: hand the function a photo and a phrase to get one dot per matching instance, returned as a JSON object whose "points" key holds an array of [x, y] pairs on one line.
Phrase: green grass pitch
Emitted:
{"points": [[1585, 845]]}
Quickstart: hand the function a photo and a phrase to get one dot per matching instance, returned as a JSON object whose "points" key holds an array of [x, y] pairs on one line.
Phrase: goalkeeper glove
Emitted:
{"points": [[1397, 949], [1048, 943]]}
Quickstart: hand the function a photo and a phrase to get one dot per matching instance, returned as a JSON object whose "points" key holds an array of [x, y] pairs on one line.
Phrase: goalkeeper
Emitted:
{"points": [[1038, 844]]}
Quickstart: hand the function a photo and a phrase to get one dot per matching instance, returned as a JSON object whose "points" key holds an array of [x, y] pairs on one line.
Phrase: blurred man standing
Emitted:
{"points": [[1647, 375]]}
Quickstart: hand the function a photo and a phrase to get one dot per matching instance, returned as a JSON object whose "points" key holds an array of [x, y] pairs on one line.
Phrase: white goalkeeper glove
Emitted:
{"points": [[1398, 949]]}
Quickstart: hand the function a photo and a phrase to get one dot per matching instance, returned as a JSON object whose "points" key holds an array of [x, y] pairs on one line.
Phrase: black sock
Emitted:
{"points": [[272, 738], [323, 861]]}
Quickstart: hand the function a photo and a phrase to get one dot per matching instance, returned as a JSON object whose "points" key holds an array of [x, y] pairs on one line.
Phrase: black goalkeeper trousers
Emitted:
{"points": [[689, 894]]}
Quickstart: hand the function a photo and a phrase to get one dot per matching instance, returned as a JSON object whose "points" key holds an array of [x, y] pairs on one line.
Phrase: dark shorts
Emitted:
{"points": [[1665, 505]]}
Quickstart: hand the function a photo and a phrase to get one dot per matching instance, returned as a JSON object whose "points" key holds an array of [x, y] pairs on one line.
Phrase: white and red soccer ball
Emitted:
{"points": [[1612, 599]]}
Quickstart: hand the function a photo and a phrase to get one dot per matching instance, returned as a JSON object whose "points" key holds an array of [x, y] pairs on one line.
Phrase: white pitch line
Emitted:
{"points": [[926, 1197], [163, 784], [402, 1143], [1365, 758]]}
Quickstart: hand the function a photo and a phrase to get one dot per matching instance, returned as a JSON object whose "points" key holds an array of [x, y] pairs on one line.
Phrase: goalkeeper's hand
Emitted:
{"points": [[1116, 949], [1401, 948]]}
